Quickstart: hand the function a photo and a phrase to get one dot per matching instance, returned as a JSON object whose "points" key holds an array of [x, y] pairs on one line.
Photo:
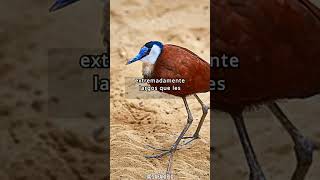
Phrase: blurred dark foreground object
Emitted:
{"points": [[277, 42]]}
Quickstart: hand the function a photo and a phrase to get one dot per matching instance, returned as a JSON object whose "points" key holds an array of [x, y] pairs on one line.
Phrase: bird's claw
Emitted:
{"points": [[172, 149], [165, 152], [192, 138]]}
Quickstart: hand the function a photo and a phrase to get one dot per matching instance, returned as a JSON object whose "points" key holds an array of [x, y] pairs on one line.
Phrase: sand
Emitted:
{"points": [[158, 122]]}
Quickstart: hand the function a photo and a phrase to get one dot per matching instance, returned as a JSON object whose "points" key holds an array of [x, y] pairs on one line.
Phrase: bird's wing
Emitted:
{"points": [[178, 62]]}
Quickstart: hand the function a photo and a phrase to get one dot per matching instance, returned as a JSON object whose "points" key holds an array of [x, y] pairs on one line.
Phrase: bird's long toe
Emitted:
{"points": [[187, 137], [160, 154], [191, 138], [155, 148]]}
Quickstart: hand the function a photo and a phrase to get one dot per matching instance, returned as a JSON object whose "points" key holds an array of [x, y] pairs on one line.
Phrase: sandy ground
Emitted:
{"points": [[33, 145], [158, 122]]}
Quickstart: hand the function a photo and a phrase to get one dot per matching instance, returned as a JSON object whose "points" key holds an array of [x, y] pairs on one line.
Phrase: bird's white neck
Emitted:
{"points": [[153, 55]]}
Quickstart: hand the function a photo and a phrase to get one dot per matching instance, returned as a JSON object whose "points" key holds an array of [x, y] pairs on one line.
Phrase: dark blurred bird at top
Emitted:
{"points": [[58, 4]]}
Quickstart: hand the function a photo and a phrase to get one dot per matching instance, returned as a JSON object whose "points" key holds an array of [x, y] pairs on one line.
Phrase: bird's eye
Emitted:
{"points": [[147, 53]]}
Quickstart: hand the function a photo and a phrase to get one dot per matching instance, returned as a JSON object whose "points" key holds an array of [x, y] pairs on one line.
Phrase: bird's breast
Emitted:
{"points": [[147, 69]]}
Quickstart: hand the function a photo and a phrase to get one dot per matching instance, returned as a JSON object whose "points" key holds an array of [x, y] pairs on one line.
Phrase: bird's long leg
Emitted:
{"points": [[304, 147], [204, 114], [256, 172], [175, 145]]}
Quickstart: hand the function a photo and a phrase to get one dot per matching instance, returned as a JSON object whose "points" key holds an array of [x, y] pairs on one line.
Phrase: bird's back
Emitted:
{"points": [[278, 44], [177, 62]]}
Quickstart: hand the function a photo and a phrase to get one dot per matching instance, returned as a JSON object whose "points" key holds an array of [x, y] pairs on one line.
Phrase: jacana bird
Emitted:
{"points": [[278, 44], [173, 62]]}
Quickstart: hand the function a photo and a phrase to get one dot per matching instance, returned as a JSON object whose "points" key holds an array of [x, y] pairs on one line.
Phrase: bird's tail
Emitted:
{"points": [[58, 4], [312, 7]]}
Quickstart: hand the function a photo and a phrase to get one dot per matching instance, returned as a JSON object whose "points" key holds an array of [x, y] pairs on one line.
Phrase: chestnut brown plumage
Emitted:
{"points": [[278, 44], [177, 62]]}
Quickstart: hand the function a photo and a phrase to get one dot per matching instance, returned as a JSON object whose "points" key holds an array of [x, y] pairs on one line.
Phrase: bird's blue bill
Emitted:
{"points": [[143, 52], [58, 4]]}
